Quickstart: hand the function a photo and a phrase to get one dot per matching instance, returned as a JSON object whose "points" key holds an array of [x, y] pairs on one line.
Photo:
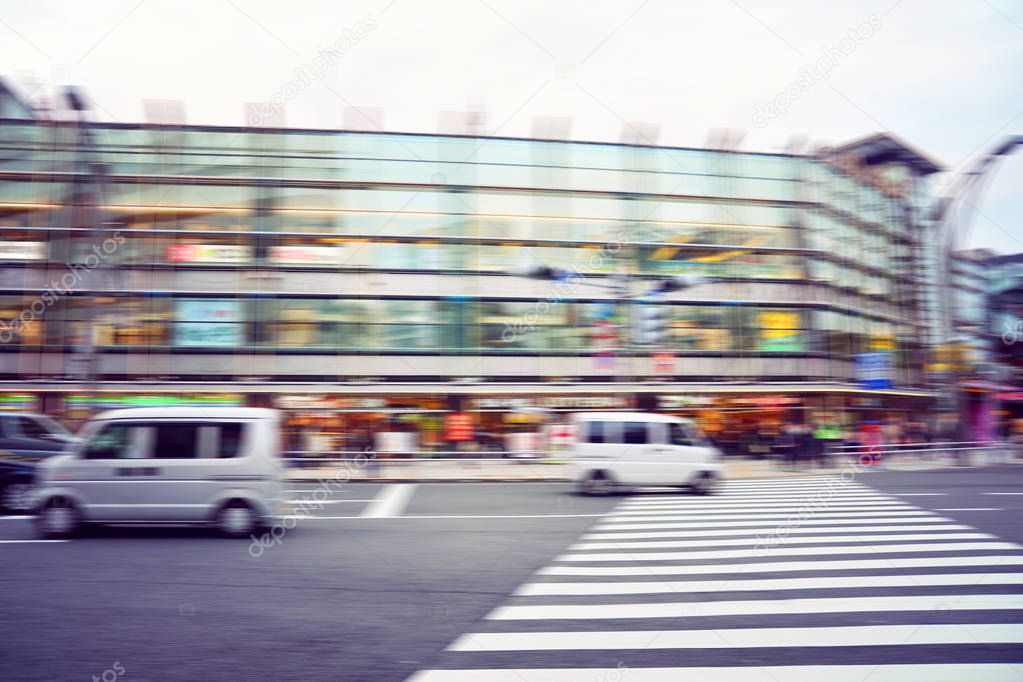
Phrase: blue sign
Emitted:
{"points": [[874, 370]]}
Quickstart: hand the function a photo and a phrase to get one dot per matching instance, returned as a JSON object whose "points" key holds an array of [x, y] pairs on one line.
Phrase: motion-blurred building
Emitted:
{"points": [[365, 275]]}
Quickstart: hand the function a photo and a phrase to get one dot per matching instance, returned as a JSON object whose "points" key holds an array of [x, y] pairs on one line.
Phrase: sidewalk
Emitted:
{"points": [[452, 471]]}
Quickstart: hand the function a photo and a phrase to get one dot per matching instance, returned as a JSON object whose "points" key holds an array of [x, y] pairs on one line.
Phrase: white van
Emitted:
{"points": [[204, 465], [615, 449]]}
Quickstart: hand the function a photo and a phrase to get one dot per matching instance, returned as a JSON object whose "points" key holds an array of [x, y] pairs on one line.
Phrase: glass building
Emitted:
{"points": [[367, 279]]}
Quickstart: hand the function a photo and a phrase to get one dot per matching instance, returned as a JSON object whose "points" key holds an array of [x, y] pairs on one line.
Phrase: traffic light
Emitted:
{"points": [[651, 324]]}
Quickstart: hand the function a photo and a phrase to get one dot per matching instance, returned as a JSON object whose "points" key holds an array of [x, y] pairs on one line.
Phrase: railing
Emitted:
{"points": [[954, 452]]}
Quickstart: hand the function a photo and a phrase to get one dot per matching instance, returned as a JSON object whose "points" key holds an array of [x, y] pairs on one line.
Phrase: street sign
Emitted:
{"points": [[874, 370]]}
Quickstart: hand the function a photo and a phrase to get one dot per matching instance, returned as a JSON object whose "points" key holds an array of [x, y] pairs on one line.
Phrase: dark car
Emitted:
{"points": [[25, 440]]}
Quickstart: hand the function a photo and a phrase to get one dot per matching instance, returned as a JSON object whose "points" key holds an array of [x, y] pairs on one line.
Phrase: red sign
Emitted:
{"points": [[458, 427], [664, 362]]}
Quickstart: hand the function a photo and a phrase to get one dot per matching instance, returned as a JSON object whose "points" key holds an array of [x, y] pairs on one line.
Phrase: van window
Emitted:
{"points": [[679, 436], [596, 432], [634, 433], [30, 428], [115, 441], [230, 440], [176, 441]]}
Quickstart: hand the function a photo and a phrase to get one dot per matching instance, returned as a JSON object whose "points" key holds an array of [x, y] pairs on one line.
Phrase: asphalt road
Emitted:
{"points": [[431, 567]]}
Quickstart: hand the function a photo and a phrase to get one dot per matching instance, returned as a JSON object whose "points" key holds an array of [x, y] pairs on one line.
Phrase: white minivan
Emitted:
{"points": [[621, 449], [202, 465]]}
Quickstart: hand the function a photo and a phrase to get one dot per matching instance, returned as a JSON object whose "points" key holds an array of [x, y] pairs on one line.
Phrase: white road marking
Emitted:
{"points": [[974, 672], [28, 542], [16, 518], [465, 516], [757, 530], [786, 566], [970, 509], [967, 602], [727, 516], [769, 540], [1001, 493], [746, 503], [920, 494], [390, 501], [744, 585], [754, 552], [311, 501], [793, 520], [780, 509], [874, 635]]}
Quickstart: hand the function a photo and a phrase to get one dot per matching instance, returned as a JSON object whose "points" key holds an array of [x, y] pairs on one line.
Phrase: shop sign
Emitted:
{"points": [[504, 403], [17, 402], [327, 402], [306, 255], [582, 401], [208, 323], [769, 400], [675, 402], [779, 331], [664, 362], [208, 253], [874, 370], [458, 427], [22, 250]]}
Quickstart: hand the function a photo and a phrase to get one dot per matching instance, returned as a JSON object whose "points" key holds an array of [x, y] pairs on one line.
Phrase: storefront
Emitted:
{"points": [[390, 426]]}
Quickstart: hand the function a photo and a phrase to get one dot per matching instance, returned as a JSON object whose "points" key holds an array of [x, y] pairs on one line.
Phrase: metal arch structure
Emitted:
{"points": [[952, 216]]}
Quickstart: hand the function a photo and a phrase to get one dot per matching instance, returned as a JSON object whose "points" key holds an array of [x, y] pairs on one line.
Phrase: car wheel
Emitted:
{"points": [[58, 518], [704, 483], [16, 497], [236, 520], [598, 483]]}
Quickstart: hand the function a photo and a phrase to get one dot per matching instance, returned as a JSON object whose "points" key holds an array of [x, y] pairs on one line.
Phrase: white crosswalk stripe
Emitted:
{"points": [[796, 580]]}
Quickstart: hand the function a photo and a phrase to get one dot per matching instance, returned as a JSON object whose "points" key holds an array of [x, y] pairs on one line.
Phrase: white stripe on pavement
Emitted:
{"points": [[28, 542], [16, 518], [773, 528], [953, 672], [311, 501], [786, 566], [874, 635], [727, 516], [770, 540], [743, 585], [745, 503], [814, 521], [920, 494], [390, 501], [757, 552], [970, 602], [1001, 493], [764, 509]]}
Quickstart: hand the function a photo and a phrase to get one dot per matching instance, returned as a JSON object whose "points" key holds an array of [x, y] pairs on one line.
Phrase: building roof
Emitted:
{"points": [[886, 148]]}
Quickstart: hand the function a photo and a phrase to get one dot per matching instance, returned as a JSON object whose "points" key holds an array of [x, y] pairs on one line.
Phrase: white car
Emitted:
{"points": [[202, 465], [616, 449]]}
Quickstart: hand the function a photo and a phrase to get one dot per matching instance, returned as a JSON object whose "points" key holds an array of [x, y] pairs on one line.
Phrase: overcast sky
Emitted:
{"points": [[945, 75]]}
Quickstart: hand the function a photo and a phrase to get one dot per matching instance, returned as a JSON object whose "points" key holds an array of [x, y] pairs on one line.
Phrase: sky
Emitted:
{"points": [[944, 75]]}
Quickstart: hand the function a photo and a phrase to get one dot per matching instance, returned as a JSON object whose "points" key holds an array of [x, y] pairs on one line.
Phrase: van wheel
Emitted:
{"points": [[59, 518], [704, 483], [598, 483], [16, 496], [236, 520]]}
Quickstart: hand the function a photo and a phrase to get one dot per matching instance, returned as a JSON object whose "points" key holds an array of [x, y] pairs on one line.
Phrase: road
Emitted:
{"points": [[892, 576]]}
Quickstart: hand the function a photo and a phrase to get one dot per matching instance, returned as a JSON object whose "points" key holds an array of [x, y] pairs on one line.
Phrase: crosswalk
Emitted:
{"points": [[811, 579]]}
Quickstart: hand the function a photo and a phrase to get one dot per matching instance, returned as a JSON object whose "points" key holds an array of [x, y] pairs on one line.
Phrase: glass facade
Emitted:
{"points": [[219, 240]]}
